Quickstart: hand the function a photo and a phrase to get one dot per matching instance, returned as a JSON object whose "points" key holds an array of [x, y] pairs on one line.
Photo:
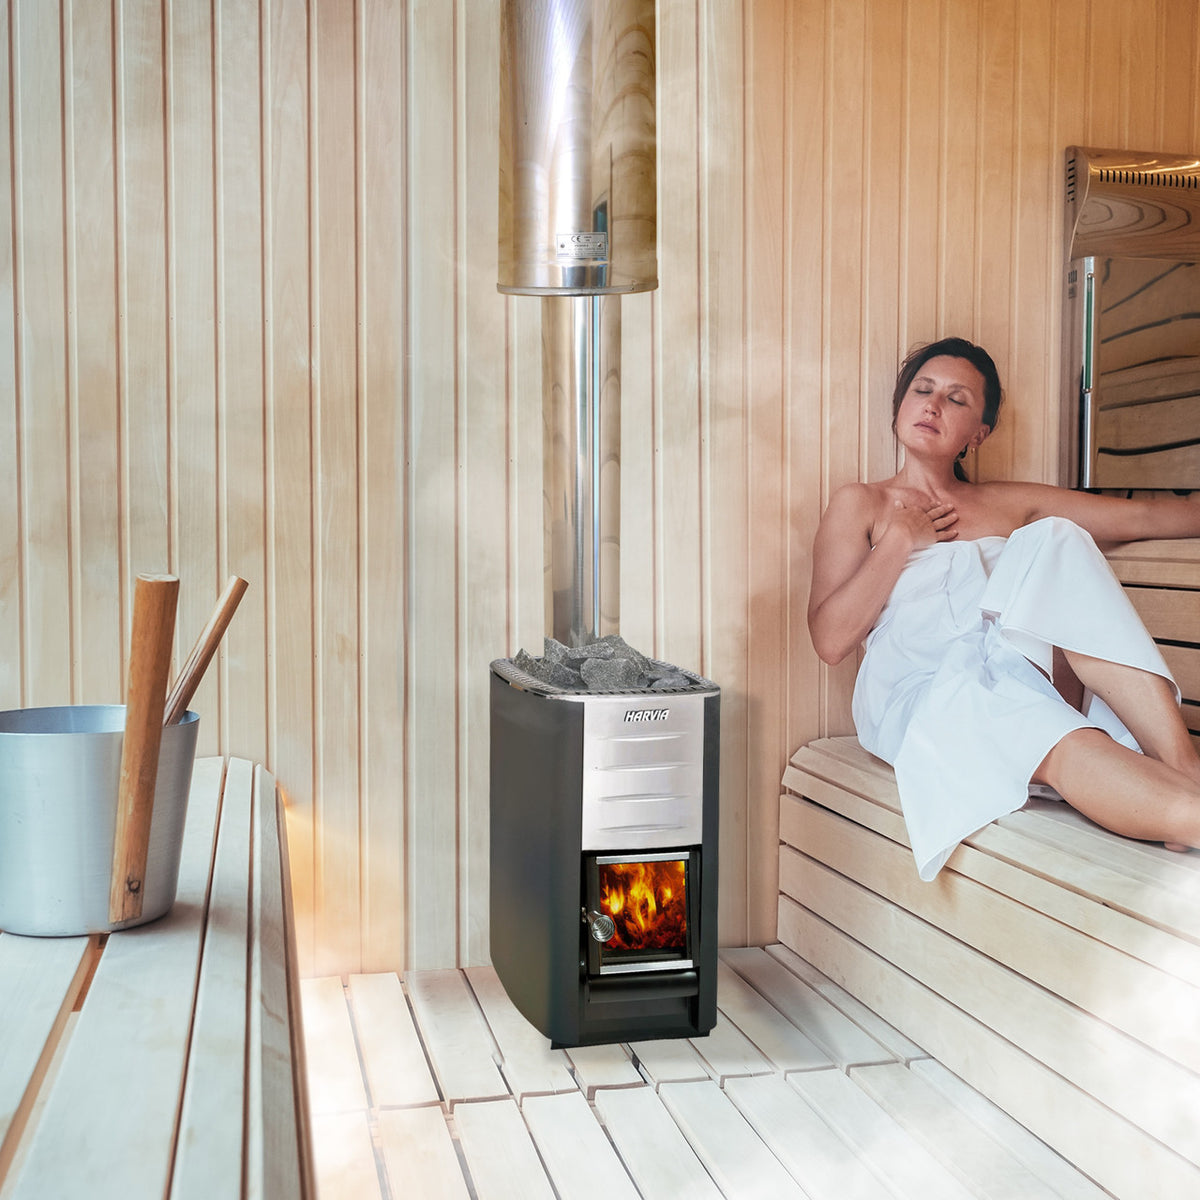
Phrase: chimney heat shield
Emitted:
{"points": [[577, 147]]}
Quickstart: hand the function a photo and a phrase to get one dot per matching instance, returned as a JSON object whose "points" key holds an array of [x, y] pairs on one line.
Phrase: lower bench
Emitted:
{"points": [[1053, 966], [166, 1060]]}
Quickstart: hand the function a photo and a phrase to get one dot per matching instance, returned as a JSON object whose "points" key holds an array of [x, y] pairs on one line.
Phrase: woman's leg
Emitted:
{"points": [[1127, 792], [1146, 705]]}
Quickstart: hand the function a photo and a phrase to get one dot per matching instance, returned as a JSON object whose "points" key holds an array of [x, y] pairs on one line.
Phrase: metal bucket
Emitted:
{"points": [[60, 770]]}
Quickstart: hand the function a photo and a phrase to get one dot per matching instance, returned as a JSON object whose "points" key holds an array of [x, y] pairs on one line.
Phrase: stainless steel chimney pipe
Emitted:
{"points": [[578, 227]]}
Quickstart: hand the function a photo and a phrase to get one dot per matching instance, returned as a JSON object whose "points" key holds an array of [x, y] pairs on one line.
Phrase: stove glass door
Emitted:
{"points": [[640, 911]]}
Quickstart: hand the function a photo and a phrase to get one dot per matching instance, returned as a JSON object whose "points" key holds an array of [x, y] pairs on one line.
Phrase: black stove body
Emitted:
{"points": [[604, 820]]}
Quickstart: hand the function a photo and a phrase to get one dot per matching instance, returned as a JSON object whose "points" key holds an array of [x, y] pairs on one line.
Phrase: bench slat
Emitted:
{"points": [[1078, 968], [1115, 1153], [120, 1136], [40, 979], [208, 1158], [277, 1165], [1062, 1034], [841, 776]]}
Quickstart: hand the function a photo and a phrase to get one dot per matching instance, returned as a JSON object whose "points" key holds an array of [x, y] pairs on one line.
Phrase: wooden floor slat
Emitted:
{"points": [[392, 1054], [579, 1157], [652, 1146], [735, 1156], [456, 1036], [945, 1131], [845, 1042], [417, 1147], [528, 1064], [1059, 1178], [826, 1166], [500, 1153], [910, 1169], [704, 1117], [770, 1031], [344, 1156], [330, 1049]]}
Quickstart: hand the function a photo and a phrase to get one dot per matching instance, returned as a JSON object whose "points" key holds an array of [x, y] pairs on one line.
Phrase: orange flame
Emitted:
{"points": [[648, 903]]}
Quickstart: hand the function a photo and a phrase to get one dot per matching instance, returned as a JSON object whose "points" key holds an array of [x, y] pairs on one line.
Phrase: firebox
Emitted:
{"points": [[604, 818]]}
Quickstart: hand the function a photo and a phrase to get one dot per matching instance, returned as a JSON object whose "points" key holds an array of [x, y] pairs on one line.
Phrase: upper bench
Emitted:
{"points": [[166, 1059]]}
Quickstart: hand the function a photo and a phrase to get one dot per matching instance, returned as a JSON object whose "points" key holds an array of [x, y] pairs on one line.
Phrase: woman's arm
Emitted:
{"points": [[1112, 519], [851, 580]]}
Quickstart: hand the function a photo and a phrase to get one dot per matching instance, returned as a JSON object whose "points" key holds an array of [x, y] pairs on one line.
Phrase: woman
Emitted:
{"points": [[975, 601]]}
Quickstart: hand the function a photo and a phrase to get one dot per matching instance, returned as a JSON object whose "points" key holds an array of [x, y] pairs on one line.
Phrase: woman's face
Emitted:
{"points": [[942, 411]]}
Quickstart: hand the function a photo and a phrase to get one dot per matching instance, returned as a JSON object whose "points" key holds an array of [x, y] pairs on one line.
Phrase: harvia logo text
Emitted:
{"points": [[647, 714]]}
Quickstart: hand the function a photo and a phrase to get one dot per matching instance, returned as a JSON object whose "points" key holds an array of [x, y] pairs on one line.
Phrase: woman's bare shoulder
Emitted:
{"points": [[857, 500]]}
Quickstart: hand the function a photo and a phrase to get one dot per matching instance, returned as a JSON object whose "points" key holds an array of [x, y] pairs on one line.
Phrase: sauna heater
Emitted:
{"points": [[603, 859]]}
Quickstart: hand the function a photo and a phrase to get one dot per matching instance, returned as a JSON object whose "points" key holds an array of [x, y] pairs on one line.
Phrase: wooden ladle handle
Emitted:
{"points": [[202, 652], [154, 601]]}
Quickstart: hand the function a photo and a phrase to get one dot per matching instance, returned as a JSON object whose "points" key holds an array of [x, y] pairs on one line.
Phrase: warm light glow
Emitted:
{"points": [[648, 903]]}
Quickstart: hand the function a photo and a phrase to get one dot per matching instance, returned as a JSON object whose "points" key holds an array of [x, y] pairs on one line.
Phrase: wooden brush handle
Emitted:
{"points": [[154, 601], [204, 649]]}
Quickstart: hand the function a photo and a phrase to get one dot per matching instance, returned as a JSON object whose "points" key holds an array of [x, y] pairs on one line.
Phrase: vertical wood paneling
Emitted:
{"points": [[432, 702], [241, 444], [12, 654], [92, 323], [194, 353], [382, 349], [336, 479], [288, 585], [248, 323], [142, 289], [482, 553], [680, 481], [764, 429], [725, 640], [39, 266]]}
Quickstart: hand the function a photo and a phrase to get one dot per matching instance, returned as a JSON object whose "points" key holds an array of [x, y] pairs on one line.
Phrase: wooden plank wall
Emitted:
{"points": [[248, 323]]}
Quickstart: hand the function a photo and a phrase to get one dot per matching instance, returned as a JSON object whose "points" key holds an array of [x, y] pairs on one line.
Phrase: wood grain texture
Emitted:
{"points": [[249, 325]]}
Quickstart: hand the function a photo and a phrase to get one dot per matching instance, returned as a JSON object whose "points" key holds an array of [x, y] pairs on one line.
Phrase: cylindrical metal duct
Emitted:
{"points": [[578, 227], [577, 165], [581, 414]]}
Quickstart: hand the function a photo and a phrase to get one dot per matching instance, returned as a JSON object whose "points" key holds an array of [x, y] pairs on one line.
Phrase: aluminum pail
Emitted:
{"points": [[60, 771]]}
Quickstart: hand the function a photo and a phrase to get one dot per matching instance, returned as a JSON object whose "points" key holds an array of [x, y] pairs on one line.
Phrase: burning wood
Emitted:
{"points": [[648, 903]]}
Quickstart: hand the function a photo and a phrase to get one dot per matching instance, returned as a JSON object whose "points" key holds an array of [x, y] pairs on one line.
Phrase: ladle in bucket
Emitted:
{"points": [[154, 601]]}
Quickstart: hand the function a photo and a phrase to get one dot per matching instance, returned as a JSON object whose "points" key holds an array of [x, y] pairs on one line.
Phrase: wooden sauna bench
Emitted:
{"points": [[1051, 965], [166, 1060]]}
